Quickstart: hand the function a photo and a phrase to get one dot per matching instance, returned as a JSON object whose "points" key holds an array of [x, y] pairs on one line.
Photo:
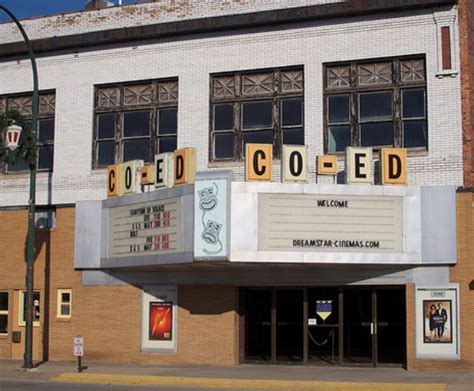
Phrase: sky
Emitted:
{"points": [[28, 8]]}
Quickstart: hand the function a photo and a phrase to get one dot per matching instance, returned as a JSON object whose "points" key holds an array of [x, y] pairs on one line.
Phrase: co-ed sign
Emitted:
{"points": [[170, 169], [258, 164], [179, 168]]}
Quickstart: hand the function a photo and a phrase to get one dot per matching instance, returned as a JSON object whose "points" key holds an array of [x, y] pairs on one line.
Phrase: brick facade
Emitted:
{"points": [[108, 317], [74, 179], [144, 13], [466, 27]]}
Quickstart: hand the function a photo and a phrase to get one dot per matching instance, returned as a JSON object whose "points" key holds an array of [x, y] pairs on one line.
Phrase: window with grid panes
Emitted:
{"points": [[135, 121], [64, 303], [264, 107], [376, 104], [44, 131]]}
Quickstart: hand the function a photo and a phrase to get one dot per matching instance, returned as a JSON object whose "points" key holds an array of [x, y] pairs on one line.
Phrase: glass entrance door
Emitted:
{"points": [[258, 325], [323, 326], [391, 326], [289, 325], [374, 326], [358, 326]]}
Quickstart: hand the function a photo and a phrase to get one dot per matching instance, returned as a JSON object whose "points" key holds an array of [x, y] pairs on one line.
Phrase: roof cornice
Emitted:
{"points": [[217, 24]]}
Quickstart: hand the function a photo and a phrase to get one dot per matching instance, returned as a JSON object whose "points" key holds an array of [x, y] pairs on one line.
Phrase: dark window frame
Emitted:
{"points": [[5, 311], [43, 115], [396, 87], [276, 97], [154, 106]]}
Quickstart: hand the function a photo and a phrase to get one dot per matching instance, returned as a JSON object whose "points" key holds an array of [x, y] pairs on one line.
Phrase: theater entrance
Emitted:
{"points": [[324, 326]]}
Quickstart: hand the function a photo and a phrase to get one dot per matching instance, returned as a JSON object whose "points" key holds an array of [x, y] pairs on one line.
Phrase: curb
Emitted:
{"points": [[203, 382]]}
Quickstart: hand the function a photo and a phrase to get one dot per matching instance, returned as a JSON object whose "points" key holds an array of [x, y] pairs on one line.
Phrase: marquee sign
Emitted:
{"points": [[342, 223], [146, 228], [179, 168]]}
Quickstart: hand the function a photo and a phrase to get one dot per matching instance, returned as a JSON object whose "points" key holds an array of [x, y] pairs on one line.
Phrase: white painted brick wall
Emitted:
{"points": [[193, 60], [159, 11]]}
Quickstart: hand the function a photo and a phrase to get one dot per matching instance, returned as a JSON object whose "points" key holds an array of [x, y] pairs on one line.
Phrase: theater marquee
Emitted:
{"points": [[339, 223], [145, 229]]}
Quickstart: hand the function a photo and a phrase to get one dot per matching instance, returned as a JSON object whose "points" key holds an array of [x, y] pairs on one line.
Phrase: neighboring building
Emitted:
{"points": [[320, 272]]}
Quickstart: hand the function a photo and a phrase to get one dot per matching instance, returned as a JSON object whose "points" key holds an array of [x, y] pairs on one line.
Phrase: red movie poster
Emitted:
{"points": [[161, 321]]}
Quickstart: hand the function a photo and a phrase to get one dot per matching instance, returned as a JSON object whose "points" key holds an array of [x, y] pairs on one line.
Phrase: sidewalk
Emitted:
{"points": [[245, 376]]}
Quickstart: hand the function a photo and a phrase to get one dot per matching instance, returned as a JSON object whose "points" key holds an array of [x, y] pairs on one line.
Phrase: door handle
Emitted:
{"points": [[373, 328]]}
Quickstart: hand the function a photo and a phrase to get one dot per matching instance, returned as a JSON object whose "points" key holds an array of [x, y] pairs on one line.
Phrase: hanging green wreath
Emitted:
{"points": [[25, 151]]}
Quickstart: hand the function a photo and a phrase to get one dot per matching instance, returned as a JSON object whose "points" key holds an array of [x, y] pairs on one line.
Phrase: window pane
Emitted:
{"points": [[413, 103], [46, 130], [415, 134], [65, 297], [257, 115], [375, 106], [291, 112], [224, 117], [36, 306], [339, 138], [105, 126], [167, 144], [375, 73], [136, 123], [3, 324], [136, 149], [45, 157], [293, 136], [338, 108], [376, 134], [263, 137], [168, 122], [338, 77], [413, 70], [3, 301], [106, 153], [23, 166], [65, 309], [224, 145]]}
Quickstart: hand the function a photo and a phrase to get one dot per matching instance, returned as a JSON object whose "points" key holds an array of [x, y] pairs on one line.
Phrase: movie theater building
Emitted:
{"points": [[245, 182]]}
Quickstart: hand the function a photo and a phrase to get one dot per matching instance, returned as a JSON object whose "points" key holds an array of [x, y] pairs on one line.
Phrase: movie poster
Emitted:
{"points": [[161, 321], [437, 324]]}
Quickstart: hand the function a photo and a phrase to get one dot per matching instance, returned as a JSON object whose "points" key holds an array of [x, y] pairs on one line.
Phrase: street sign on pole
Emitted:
{"points": [[78, 349], [78, 346]]}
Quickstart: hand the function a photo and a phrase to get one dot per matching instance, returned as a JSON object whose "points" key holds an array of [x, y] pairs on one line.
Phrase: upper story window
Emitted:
{"points": [[135, 121], [255, 107], [376, 104], [45, 127]]}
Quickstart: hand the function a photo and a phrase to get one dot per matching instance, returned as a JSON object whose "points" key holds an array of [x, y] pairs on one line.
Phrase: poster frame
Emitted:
{"points": [[158, 293], [437, 351]]}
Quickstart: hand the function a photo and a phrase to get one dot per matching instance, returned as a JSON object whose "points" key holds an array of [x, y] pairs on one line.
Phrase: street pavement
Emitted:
{"points": [[118, 377]]}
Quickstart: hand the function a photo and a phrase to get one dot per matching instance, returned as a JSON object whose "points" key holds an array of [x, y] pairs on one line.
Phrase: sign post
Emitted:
{"points": [[78, 348]]}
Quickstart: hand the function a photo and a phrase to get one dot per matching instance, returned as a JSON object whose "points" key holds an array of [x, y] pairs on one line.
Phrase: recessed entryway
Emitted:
{"points": [[324, 325]]}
